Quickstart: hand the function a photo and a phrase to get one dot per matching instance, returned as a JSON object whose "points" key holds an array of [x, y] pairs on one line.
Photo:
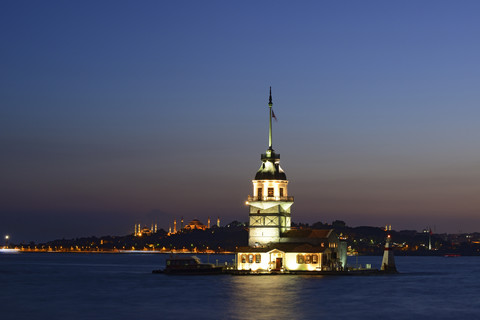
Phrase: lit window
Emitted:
{"points": [[300, 259], [314, 259], [308, 258], [259, 192], [258, 258], [244, 258], [281, 192], [250, 258], [270, 192]]}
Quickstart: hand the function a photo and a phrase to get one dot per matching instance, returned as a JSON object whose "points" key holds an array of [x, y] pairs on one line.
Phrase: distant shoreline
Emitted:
{"points": [[150, 251], [184, 251]]}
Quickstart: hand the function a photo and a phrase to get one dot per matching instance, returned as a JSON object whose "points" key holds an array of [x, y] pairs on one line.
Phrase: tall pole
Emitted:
{"points": [[429, 238], [270, 104]]}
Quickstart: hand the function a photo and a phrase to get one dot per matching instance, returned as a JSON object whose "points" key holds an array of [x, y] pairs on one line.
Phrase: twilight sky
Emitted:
{"points": [[121, 112]]}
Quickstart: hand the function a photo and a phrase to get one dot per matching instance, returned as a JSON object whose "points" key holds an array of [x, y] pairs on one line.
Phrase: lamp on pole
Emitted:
{"points": [[6, 240]]}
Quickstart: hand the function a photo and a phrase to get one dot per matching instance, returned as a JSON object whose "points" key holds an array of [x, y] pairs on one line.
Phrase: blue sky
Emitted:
{"points": [[119, 112]]}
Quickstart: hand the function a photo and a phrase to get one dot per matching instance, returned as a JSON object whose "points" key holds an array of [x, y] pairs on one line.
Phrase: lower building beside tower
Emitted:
{"points": [[297, 250]]}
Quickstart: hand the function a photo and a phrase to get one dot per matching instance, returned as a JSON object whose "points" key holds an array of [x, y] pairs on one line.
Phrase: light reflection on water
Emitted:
{"points": [[121, 286], [264, 297]]}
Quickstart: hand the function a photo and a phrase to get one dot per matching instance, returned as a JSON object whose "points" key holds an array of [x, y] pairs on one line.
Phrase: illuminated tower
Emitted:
{"points": [[388, 261], [208, 223], [270, 203], [218, 222]]}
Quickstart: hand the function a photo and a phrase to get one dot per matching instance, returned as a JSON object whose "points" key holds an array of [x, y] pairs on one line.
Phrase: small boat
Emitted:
{"points": [[188, 266], [452, 255]]}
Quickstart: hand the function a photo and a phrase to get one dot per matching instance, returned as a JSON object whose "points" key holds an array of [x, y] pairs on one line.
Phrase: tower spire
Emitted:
{"points": [[270, 104]]}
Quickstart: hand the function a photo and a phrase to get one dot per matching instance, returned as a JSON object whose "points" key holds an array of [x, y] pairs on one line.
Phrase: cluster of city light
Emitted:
{"points": [[6, 248]]}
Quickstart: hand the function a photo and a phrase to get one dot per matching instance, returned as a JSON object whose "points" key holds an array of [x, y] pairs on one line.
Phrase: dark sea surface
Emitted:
{"points": [[121, 286]]}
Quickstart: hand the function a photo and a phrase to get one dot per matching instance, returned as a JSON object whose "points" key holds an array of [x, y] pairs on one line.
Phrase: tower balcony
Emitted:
{"points": [[260, 198], [270, 156]]}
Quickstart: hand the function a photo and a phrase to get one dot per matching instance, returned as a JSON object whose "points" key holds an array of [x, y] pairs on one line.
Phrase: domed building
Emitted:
{"points": [[195, 224]]}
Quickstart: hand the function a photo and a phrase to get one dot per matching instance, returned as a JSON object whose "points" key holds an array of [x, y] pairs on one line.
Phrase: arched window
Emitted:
{"points": [[244, 258], [258, 258], [250, 258]]}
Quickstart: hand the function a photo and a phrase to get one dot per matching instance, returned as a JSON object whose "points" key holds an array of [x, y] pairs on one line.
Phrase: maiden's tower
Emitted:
{"points": [[273, 244]]}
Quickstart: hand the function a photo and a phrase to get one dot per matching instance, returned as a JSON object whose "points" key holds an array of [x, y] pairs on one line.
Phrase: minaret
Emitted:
{"points": [[175, 226], [218, 222], [270, 203], [208, 223]]}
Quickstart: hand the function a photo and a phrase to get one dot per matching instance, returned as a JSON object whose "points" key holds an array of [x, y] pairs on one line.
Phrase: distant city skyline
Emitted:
{"points": [[115, 113]]}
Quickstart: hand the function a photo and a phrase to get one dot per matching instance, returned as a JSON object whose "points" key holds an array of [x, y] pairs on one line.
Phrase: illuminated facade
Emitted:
{"points": [[284, 257], [270, 204]]}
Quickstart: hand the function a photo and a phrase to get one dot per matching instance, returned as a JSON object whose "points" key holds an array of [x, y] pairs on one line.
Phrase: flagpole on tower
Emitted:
{"points": [[270, 104]]}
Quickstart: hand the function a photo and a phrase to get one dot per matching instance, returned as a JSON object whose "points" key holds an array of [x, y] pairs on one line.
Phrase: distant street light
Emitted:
{"points": [[6, 240]]}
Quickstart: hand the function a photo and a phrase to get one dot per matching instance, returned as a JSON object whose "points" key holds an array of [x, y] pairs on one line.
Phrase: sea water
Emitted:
{"points": [[122, 286]]}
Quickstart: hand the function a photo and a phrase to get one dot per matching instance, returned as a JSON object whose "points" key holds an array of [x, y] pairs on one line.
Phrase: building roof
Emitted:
{"points": [[270, 170], [196, 222], [285, 247]]}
